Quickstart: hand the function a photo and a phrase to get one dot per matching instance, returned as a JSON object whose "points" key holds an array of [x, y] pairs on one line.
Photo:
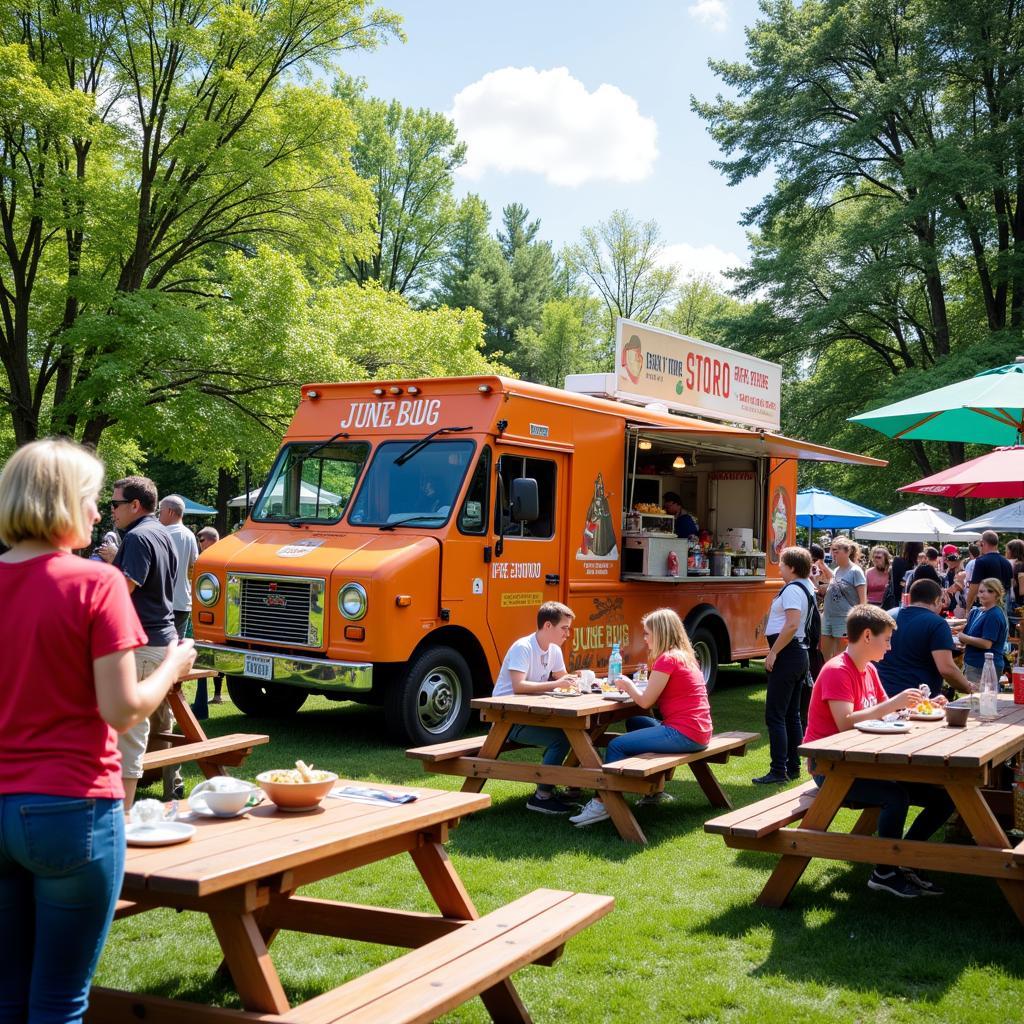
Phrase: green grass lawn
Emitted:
{"points": [[685, 941]]}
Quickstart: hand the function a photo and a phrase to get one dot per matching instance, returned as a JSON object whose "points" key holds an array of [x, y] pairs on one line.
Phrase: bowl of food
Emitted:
{"points": [[301, 788]]}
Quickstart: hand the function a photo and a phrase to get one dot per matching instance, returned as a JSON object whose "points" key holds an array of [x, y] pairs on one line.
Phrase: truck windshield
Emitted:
{"points": [[422, 490], [312, 489]]}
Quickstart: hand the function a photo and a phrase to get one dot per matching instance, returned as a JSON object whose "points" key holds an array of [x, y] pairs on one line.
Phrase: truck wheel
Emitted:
{"points": [[430, 703], [706, 649], [265, 700]]}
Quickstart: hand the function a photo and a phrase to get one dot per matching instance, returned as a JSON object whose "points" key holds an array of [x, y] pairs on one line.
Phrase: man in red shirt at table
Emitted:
{"points": [[848, 691]]}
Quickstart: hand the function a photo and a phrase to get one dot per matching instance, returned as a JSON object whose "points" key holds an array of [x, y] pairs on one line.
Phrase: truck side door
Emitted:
{"points": [[529, 570]]}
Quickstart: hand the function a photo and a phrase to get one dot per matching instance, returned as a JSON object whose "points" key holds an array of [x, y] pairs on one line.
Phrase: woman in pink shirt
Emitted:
{"points": [[677, 686], [67, 630]]}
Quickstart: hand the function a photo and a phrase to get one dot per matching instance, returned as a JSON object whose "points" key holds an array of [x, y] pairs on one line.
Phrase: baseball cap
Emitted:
{"points": [[951, 550]]}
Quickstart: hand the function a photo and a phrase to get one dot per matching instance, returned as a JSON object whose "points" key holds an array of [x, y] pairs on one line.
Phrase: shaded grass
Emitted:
{"points": [[685, 942]]}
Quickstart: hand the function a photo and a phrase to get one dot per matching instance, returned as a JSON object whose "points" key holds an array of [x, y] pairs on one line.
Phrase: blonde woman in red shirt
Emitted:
{"points": [[67, 630], [677, 686]]}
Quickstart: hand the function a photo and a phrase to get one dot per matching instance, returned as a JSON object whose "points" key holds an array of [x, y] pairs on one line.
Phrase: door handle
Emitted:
{"points": [[551, 578]]}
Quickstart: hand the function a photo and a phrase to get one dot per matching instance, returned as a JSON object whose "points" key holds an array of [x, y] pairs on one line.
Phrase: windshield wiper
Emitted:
{"points": [[323, 444], [402, 459], [412, 519]]}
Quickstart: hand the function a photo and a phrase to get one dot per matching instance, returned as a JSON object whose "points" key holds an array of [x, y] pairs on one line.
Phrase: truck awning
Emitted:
{"points": [[750, 443]]}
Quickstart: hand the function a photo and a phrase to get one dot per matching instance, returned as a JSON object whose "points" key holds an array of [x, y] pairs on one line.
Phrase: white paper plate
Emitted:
{"points": [[551, 693], [875, 725], [935, 716], [615, 696], [165, 833]]}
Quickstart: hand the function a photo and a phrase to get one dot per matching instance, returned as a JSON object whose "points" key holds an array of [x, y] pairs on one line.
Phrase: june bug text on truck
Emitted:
{"points": [[409, 530]]}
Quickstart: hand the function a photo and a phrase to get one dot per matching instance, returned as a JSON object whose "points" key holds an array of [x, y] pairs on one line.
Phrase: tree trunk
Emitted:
{"points": [[227, 487]]}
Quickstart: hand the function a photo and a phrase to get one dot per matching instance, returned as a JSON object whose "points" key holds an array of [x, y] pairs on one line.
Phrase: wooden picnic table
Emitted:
{"points": [[964, 761], [243, 872], [585, 720], [212, 754]]}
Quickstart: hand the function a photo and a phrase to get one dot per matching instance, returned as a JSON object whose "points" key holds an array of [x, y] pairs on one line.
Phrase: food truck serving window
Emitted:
{"points": [[419, 491], [311, 482]]}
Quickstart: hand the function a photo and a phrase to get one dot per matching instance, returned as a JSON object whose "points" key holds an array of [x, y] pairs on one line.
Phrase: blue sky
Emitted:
{"points": [[614, 129]]}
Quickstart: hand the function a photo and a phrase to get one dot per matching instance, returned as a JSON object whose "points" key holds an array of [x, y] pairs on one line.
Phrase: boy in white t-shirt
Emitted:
{"points": [[534, 664]]}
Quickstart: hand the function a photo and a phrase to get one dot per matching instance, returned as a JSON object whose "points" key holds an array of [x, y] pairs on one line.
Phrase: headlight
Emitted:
{"points": [[208, 589], [352, 601]]}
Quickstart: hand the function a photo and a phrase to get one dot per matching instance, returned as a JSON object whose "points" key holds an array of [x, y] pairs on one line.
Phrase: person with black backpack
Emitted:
{"points": [[794, 627]]}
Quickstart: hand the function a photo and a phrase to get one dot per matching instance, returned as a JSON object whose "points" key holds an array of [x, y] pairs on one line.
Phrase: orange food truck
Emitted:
{"points": [[409, 530]]}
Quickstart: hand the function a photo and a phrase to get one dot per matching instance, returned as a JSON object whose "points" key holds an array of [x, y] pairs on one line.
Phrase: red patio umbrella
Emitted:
{"points": [[999, 474]]}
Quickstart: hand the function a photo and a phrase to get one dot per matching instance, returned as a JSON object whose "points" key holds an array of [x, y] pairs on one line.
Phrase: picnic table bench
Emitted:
{"points": [[212, 754], [961, 760], [244, 873], [585, 720]]}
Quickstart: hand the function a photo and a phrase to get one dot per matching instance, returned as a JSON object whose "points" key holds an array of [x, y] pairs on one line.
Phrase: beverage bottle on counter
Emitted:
{"points": [[614, 664], [988, 691], [672, 564]]}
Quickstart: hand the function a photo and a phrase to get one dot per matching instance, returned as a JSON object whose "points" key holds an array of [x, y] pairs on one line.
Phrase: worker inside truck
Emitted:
{"points": [[723, 492]]}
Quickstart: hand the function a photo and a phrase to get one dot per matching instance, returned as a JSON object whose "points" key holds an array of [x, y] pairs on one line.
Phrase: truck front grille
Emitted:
{"points": [[277, 609]]}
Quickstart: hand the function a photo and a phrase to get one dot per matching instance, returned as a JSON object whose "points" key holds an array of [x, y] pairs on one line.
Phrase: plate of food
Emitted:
{"points": [[563, 691], [158, 833], [615, 695], [926, 711], [876, 725]]}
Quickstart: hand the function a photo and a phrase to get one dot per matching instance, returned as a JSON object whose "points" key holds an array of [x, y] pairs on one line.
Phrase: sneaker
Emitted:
{"points": [[572, 796], [917, 877], [792, 774], [594, 812], [216, 700], [550, 805], [771, 779], [895, 883], [653, 799]]}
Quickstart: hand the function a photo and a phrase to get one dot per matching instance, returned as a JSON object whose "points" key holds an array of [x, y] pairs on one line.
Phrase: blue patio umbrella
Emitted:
{"points": [[815, 507], [193, 508]]}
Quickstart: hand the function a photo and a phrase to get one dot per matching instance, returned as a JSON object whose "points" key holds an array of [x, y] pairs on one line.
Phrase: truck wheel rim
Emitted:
{"points": [[703, 653], [438, 699]]}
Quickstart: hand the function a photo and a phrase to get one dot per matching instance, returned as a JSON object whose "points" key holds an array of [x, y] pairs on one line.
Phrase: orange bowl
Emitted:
{"points": [[296, 796]]}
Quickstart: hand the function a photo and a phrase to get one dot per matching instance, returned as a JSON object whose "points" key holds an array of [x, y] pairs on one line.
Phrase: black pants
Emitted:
{"points": [[782, 707]]}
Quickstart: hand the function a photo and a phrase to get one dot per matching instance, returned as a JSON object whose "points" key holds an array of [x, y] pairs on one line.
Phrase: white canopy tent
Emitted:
{"points": [[307, 496], [1008, 519], [919, 522]]}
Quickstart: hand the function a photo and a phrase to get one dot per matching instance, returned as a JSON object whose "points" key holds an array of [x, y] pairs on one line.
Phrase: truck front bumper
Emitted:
{"points": [[307, 673]]}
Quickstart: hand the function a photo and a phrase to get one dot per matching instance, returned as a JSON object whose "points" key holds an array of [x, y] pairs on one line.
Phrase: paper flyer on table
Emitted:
{"points": [[364, 795]]}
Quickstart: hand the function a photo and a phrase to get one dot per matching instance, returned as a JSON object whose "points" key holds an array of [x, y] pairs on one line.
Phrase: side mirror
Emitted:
{"points": [[525, 500]]}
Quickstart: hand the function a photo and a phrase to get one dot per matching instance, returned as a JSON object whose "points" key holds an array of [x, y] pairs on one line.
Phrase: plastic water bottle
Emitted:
{"points": [[988, 691], [615, 664]]}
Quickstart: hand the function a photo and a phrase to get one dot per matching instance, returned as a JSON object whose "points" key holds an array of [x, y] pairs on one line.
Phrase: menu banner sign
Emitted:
{"points": [[694, 376]]}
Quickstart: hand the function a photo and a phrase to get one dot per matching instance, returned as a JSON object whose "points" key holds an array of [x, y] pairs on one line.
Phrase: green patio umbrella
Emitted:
{"points": [[985, 409]]}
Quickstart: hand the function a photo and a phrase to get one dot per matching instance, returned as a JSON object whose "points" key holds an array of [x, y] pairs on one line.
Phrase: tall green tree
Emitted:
{"points": [[568, 340], [409, 157], [462, 280], [196, 143], [702, 309], [896, 132], [621, 260]]}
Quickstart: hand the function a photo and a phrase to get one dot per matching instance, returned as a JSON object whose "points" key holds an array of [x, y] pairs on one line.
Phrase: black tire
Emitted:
{"points": [[706, 648], [430, 702], [265, 700]]}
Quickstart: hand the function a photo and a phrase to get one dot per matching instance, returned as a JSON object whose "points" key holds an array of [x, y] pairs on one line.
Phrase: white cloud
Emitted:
{"points": [[694, 261], [712, 13], [545, 122]]}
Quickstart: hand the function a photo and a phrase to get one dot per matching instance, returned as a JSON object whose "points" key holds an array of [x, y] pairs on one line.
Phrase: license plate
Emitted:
{"points": [[258, 666]]}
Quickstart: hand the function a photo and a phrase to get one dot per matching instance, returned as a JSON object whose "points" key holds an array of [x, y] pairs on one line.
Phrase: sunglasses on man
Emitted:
{"points": [[115, 502]]}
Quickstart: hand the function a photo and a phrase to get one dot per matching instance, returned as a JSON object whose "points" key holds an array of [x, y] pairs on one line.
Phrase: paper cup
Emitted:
{"points": [[1018, 684]]}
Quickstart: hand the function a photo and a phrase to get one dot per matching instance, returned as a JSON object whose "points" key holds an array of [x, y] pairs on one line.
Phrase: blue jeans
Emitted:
{"points": [[61, 865], [649, 736], [894, 799], [554, 742]]}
